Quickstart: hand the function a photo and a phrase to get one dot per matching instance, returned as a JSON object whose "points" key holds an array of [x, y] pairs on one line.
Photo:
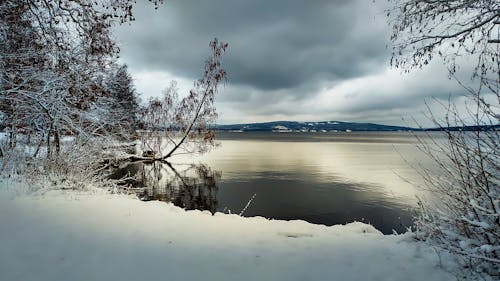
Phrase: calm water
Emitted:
{"points": [[323, 178]]}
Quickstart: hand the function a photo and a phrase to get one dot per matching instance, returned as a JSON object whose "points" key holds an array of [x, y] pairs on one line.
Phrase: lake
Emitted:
{"points": [[323, 178]]}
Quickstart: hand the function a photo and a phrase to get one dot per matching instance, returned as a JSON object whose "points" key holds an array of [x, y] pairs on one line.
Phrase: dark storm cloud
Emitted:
{"points": [[287, 60], [384, 97], [274, 45]]}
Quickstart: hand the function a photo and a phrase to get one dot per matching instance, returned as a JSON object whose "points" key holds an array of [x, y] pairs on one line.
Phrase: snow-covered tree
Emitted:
{"points": [[22, 61], [464, 215], [124, 107], [450, 29], [53, 55]]}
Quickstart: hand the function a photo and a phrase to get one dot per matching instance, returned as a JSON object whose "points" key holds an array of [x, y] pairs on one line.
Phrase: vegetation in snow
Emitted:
{"points": [[465, 218]]}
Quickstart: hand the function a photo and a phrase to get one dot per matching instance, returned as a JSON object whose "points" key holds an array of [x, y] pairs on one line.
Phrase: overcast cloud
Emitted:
{"points": [[287, 60]]}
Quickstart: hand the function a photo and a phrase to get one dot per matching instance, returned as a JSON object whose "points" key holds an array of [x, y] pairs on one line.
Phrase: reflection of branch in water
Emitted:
{"points": [[179, 176], [192, 188]]}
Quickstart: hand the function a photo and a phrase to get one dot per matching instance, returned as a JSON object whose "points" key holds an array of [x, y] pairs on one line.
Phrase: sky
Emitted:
{"points": [[287, 60]]}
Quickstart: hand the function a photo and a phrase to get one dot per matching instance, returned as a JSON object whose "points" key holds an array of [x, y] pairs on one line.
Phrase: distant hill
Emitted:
{"points": [[287, 126]]}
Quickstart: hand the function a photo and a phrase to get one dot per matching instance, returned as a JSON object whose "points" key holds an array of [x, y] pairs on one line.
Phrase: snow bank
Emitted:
{"points": [[97, 236]]}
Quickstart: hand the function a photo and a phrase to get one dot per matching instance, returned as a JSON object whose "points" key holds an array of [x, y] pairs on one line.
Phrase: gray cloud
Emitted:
{"points": [[273, 44], [295, 60], [383, 97]]}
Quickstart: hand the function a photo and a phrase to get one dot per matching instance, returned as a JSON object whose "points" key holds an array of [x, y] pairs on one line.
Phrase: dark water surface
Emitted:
{"points": [[323, 178]]}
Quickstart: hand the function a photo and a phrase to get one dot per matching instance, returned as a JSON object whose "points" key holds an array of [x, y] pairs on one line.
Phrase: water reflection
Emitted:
{"points": [[382, 160], [328, 180], [187, 186]]}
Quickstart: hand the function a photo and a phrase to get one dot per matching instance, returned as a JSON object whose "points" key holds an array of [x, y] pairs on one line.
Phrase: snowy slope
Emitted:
{"points": [[96, 236]]}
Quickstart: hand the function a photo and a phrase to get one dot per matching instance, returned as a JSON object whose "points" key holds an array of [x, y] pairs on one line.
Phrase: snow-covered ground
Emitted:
{"points": [[63, 235]]}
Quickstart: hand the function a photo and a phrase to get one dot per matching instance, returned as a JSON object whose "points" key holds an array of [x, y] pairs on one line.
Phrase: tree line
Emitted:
{"points": [[59, 73], [59, 76]]}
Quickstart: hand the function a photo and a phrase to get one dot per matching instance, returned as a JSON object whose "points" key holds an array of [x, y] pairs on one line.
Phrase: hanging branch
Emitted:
{"points": [[185, 123]]}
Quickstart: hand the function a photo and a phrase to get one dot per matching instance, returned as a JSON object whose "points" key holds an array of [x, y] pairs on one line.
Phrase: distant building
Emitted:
{"points": [[281, 129]]}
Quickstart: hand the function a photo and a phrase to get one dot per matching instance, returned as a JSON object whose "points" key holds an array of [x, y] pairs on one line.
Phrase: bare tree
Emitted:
{"points": [[463, 216], [173, 126]]}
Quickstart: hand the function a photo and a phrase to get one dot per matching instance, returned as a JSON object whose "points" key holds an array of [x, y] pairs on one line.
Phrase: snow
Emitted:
{"points": [[279, 127], [93, 235]]}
